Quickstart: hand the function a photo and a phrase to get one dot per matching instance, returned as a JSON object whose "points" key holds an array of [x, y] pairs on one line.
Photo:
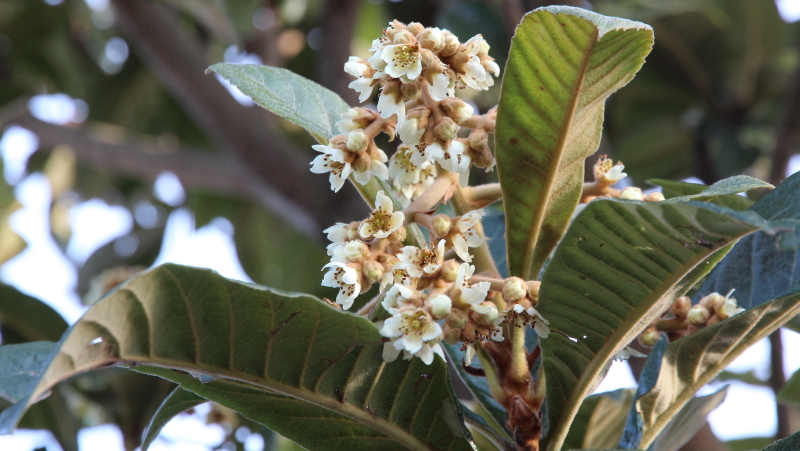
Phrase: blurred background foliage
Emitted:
{"points": [[718, 96]]}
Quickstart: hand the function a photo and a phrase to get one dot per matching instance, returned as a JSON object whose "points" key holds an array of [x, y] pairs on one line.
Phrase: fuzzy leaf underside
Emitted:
{"points": [[303, 355], [619, 266], [693, 361], [177, 402], [673, 189], [564, 62], [600, 420], [291, 96], [732, 185]]}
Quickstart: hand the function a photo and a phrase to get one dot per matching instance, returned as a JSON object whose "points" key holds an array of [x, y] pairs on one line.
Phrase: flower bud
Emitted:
{"points": [[451, 336], [728, 309], [441, 225], [456, 109], [631, 193], [654, 197], [680, 308], [356, 250], [398, 236], [450, 46], [362, 162], [440, 306], [410, 91], [488, 318], [698, 315], [457, 318], [713, 301], [403, 37], [649, 337], [357, 140], [431, 39], [478, 139], [446, 129], [415, 28], [372, 271], [533, 290], [428, 59], [514, 289], [449, 271]]}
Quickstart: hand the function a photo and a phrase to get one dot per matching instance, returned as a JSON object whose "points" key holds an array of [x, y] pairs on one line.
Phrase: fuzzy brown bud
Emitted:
{"points": [[398, 236], [410, 91], [403, 37], [362, 162], [372, 271], [441, 225], [654, 197], [449, 271], [450, 46], [456, 109], [457, 318], [488, 318], [649, 337], [431, 39], [680, 308], [533, 290], [415, 28], [446, 129], [698, 315], [514, 289]]}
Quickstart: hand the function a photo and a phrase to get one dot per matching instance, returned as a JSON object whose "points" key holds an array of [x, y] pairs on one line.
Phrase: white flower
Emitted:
{"points": [[376, 60], [416, 332], [472, 294], [363, 86], [615, 174], [383, 220], [337, 234], [729, 307], [348, 122], [531, 314], [390, 104], [453, 159], [397, 297], [352, 251], [345, 278], [465, 235], [469, 354], [332, 160], [402, 60], [627, 353], [409, 179], [475, 75], [419, 262], [378, 169], [398, 275], [429, 153], [440, 85], [355, 67], [410, 132]]}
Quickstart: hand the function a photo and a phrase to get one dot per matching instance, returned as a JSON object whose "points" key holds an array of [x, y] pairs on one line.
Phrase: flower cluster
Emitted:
{"points": [[606, 174]]}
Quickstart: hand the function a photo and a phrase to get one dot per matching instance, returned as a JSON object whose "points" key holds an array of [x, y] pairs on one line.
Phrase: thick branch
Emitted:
{"points": [[219, 172], [180, 62], [338, 26]]}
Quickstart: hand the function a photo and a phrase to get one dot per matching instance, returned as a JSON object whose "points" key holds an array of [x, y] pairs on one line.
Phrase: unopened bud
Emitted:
{"points": [[456, 109], [441, 225], [490, 316], [372, 271], [398, 236], [631, 193], [362, 162], [446, 129], [451, 336], [457, 318], [449, 271], [431, 39], [410, 91], [415, 28], [728, 309], [357, 140], [698, 315], [440, 306], [356, 250], [450, 45], [654, 197], [533, 290], [478, 139], [649, 337], [403, 37], [713, 301], [514, 289], [680, 308]]}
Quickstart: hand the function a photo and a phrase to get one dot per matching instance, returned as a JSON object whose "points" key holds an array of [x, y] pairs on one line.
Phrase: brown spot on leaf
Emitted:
{"points": [[513, 141]]}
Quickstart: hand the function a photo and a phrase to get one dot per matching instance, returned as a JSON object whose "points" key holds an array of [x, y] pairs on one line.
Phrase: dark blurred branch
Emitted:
{"points": [[513, 10], [180, 62], [777, 380], [196, 169], [704, 440], [338, 25]]}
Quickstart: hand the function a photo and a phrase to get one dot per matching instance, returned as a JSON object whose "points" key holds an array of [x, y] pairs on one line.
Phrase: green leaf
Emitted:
{"points": [[696, 359], [790, 393], [673, 189], [732, 185], [632, 433], [688, 421], [791, 443], [30, 318], [600, 420], [20, 366], [288, 95], [619, 266], [286, 360], [564, 62], [176, 403]]}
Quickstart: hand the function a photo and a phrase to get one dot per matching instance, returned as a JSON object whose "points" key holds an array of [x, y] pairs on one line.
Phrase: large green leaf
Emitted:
{"points": [[672, 189], [731, 185], [619, 266], [600, 421], [288, 95], [695, 360], [286, 360], [791, 443], [685, 424], [21, 365], [177, 402], [790, 393], [564, 63], [29, 318]]}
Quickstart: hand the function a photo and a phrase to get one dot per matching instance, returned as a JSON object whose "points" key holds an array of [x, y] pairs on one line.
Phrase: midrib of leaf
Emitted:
{"points": [[572, 105], [703, 377]]}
